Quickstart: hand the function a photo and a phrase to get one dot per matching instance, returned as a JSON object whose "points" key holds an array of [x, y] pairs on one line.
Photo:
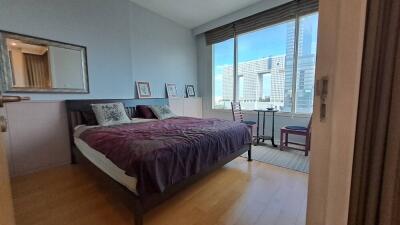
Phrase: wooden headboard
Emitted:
{"points": [[76, 107]]}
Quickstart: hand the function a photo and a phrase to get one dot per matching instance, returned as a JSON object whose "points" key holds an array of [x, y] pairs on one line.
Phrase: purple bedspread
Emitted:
{"points": [[162, 153]]}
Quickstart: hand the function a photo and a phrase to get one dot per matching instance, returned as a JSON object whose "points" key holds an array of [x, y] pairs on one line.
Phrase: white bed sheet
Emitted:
{"points": [[108, 167], [102, 162]]}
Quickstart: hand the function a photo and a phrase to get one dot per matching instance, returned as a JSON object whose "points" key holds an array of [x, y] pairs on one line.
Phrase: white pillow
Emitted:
{"points": [[162, 112], [110, 113]]}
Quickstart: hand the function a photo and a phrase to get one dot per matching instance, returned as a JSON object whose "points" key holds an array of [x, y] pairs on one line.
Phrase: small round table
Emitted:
{"points": [[263, 136]]}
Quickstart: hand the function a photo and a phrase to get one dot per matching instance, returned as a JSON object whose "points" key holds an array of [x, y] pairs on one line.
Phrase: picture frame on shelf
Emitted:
{"points": [[143, 89], [190, 92], [171, 90]]}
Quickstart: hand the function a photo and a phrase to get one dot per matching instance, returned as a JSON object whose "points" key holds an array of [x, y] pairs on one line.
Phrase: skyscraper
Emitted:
{"points": [[289, 65], [260, 82], [305, 70]]}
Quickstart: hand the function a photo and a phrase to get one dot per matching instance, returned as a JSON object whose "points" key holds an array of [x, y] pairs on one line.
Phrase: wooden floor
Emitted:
{"points": [[241, 193]]}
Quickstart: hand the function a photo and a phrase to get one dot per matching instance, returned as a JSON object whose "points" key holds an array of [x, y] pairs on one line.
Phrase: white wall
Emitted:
{"points": [[162, 51], [38, 136]]}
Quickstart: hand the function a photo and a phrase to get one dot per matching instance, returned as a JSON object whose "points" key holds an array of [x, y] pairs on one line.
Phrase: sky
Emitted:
{"points": [[270, 41]]}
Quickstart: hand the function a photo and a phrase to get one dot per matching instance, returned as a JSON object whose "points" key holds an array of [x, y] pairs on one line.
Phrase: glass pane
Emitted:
{"points": [[307, 45], [262, 67], [223, 56]]}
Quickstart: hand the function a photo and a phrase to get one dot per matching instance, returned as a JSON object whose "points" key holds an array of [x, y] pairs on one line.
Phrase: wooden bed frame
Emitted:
{"points": [[140, 204]]}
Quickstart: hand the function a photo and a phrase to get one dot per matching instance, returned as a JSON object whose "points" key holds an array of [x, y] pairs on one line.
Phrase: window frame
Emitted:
{"points": [[236, 93]]}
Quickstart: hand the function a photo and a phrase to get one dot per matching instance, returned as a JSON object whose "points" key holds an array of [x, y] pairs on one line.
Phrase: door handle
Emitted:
{"points": [[3, 124], [5, 99]]}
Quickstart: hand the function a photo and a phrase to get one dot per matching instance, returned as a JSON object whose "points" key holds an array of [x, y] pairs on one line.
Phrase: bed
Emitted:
{"points": [[152, 160]]}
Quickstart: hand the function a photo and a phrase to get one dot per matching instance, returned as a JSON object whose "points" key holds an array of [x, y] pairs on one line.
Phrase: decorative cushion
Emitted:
{"points": [[143, 111], [89, 118], [162, 112], [110, 114], [296, 128], [131, 112]]}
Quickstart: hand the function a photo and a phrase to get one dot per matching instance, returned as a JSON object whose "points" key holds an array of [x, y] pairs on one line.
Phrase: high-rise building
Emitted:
{"points": [[289, 64], [305, 70], [260, 82]]}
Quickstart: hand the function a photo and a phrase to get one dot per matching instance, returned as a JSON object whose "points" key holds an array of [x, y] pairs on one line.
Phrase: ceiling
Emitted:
{"points": [[193, 13]]}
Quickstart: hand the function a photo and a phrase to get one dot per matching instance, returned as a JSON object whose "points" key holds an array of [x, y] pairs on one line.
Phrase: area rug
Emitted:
{"points": [[290, 159]]}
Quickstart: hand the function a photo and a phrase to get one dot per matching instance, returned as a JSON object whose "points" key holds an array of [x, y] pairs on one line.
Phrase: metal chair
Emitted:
{"points": [[296, 130], [239, 116]]}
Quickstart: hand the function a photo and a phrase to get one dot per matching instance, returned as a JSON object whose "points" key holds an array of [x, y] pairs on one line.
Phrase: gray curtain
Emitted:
{"points": [[375, 191], [37, 70]]}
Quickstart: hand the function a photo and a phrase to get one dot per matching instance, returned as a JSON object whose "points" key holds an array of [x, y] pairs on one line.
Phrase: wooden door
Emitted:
{"points": [[339, 57], [6, 204]]}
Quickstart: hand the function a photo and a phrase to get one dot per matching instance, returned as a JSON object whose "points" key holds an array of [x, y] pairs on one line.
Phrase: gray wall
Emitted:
{"points": [[162, 51], [124, 43], [101, 25]]}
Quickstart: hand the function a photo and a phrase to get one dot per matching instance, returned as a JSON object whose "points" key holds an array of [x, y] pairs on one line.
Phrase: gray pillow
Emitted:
{"points": [[162, 112], [110, 113]]}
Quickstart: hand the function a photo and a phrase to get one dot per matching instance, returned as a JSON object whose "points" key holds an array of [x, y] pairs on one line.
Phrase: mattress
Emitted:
{"points": [[104, 164], [108, 167]]}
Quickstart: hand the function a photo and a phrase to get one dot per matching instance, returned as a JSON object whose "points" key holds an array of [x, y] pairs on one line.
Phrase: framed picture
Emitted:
{"points": [[143, 89], [171, 90], [190, 91]]}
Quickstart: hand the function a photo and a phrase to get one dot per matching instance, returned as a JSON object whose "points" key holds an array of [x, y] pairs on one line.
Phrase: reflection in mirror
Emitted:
{"points": [[30, 64], [38, 65]]}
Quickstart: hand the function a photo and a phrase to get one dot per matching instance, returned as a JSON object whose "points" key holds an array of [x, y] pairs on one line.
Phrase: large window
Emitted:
{"points": [[223, 76], [272, 67]]}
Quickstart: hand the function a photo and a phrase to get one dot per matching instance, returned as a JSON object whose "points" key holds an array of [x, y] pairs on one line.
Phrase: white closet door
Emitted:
{"points": [[176, 106], [193, 107]]}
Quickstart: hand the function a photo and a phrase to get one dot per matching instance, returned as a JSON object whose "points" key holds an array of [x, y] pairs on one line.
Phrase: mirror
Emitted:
{"points": [[31, 64]]}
